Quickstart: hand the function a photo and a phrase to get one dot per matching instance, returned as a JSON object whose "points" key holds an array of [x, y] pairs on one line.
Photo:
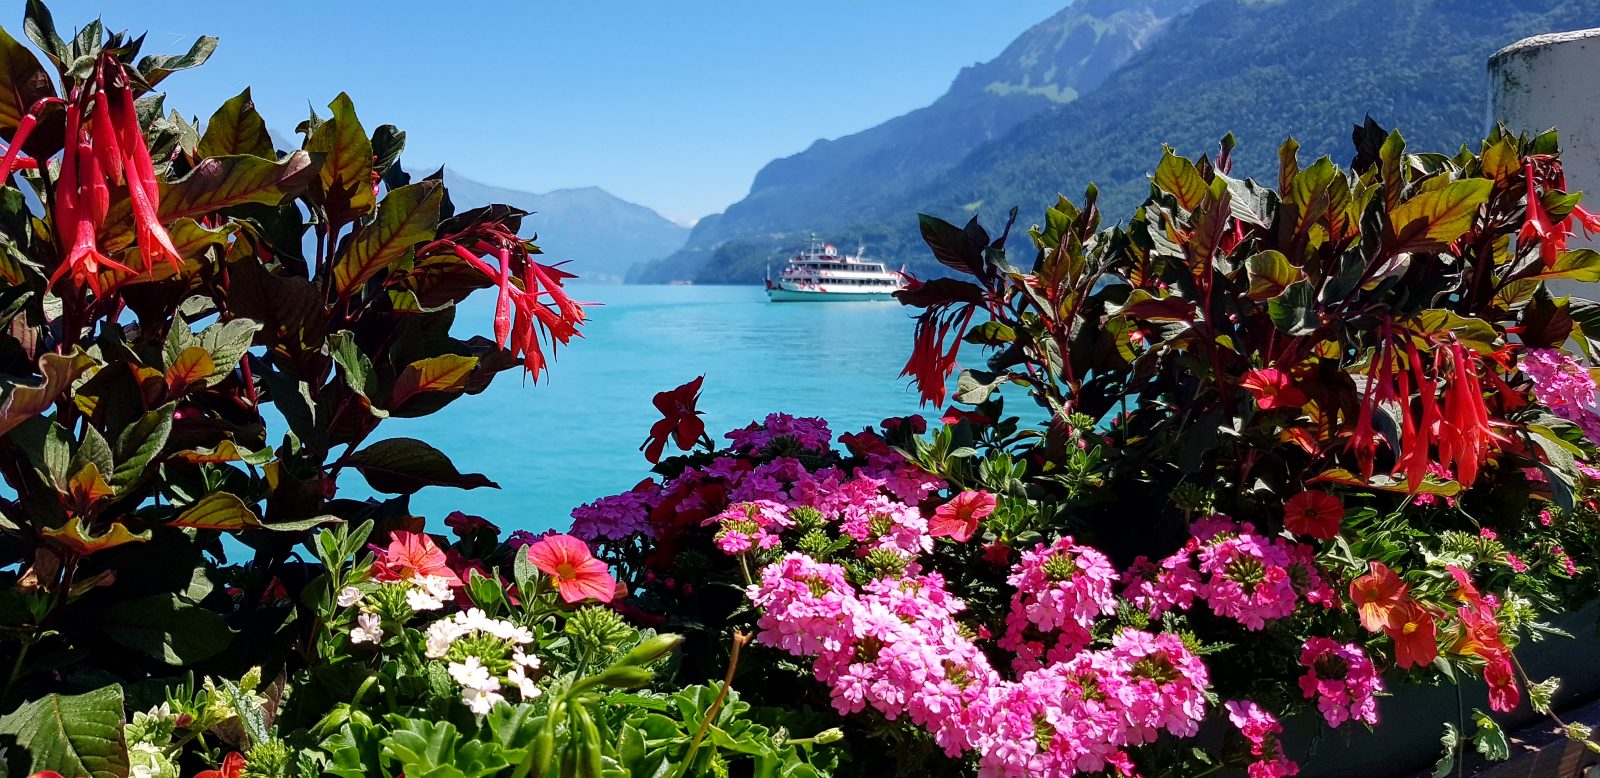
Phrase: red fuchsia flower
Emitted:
{"points": [[1380, 596], [947, 309], [1464, 433], [1537, 227], [1272, 388], [958, 519], [1313, 512], [412, 555], [1415, 635], [680, 421], [232, 767], [532, 309], [578, 576]]}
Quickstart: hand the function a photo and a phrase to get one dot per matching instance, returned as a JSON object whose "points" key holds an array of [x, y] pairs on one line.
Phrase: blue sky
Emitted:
{"points": [[675, 105]]}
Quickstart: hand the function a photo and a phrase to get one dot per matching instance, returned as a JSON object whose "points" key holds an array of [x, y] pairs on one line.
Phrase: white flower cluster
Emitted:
{"points": [[481, 689], [428, 593]]}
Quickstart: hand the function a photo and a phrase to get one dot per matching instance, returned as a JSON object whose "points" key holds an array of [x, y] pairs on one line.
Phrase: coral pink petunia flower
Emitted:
{"points": [[1272, 388], [1380, 597], [412, 555], [578, 575], [958, 519]]}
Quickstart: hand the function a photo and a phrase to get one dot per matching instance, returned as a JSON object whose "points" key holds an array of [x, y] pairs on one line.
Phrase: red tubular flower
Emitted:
{"points": [[947, 308], [1551, 238], [14, 159], [680, 421], [143, 192], [1272, 388], [1464, 432], [1416, 434], [958, 519], [577, 574], [522, 315], [1313, 512]]}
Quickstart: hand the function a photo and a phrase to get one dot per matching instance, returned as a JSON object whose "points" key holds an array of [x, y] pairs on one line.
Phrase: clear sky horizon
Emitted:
{"points": [[674, 105]]}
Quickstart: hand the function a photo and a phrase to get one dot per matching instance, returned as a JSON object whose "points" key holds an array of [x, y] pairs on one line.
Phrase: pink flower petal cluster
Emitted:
{"points": [[804, 605], [747, 525], [877, 522], [810, 433], [1261, 729], [1342, 680], [1061, 589], [618, 516], [1155, 588], [1565, 387]]}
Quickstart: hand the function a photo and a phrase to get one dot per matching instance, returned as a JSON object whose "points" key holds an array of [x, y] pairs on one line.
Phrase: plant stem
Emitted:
{"points": [[739, 639]]}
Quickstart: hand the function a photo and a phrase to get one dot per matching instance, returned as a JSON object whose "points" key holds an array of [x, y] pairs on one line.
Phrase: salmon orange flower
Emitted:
{"points": [[577, 574], [1313, 512], [679, 420], [958, 519], [1415, 635], [412, 555], [1380, 597]]}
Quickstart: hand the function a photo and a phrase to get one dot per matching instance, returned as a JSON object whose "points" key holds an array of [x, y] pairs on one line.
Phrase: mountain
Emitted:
{"points": [[1264, 70], [602, 234], [1049, 65]]}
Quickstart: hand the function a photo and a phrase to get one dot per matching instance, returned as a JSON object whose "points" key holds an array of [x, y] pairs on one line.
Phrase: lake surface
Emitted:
{"points": [[575, 435]]}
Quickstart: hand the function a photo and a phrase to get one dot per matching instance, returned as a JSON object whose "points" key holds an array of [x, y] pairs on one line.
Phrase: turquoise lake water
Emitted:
{"points": [[575, 435]]}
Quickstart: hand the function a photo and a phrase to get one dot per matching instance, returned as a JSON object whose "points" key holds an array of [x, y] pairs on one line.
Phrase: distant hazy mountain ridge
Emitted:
{"points": [[828, 184], [1092, 93]]}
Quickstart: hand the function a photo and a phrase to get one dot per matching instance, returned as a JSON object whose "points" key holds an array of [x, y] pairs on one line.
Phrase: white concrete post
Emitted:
{"points": [[1553, 80]]}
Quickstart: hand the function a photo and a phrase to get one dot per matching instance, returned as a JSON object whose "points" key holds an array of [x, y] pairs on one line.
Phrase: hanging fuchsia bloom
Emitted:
{"points": [[1464, 433], [958, 519], [947, 309], [1552, 239], [528, 318], [578, 576]]}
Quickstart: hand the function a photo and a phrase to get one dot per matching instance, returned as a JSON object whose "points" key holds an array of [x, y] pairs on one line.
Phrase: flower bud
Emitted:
{"points": [[652, 649], [622, 676], [831, 735]]}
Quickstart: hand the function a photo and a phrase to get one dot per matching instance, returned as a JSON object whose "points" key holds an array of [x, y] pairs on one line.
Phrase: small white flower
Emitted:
{"points": [[435, 585], [518, 677], [481, 701], [527, 661], [422, 600], [369, 629], [441, 634], [471, 674], [509, 631], [348, 596]]}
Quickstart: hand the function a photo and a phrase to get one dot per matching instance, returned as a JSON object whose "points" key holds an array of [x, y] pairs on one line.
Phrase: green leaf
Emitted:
{"points": [[1294, 311], [356, 368], [443, 373], [220, 182], [75, 536], [346, 173], [975, 386], [40, 28], [1180, 178], [1269, 273], [25, 402], [77, 735], [404, 465], [139, 444], [165, 627], [407, 216], [227, 343], [158, 66], [23, 81], [220, 511], [1490, 739], [192, 365], [1382, 483], [435, 750], [1579, 265], [236, 128], [1431, 221]]}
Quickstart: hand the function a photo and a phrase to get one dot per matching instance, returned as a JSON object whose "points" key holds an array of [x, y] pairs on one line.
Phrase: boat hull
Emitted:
{"points": [[779, 295]]}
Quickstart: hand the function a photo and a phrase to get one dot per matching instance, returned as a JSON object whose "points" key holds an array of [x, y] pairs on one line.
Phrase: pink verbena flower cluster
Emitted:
{"points": [[809, 432], [1261, 730], [1564, 386], [1061, 589], [618, 516], [747, 525], [1342, 680]]}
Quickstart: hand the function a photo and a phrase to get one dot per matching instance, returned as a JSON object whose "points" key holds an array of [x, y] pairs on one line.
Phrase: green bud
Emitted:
{"points": [[652, 649], [829, 736], [590, 764], [624, 676]]}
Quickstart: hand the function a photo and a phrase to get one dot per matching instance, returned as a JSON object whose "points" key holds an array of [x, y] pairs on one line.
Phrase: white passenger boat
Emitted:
{"points": [[822, 274]]}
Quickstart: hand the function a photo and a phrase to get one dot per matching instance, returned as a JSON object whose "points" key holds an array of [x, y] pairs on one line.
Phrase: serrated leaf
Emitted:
{"points": [[443, 373], [404, 465], [219, 511], [407, 216], [227, 343], [77, 735]]}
